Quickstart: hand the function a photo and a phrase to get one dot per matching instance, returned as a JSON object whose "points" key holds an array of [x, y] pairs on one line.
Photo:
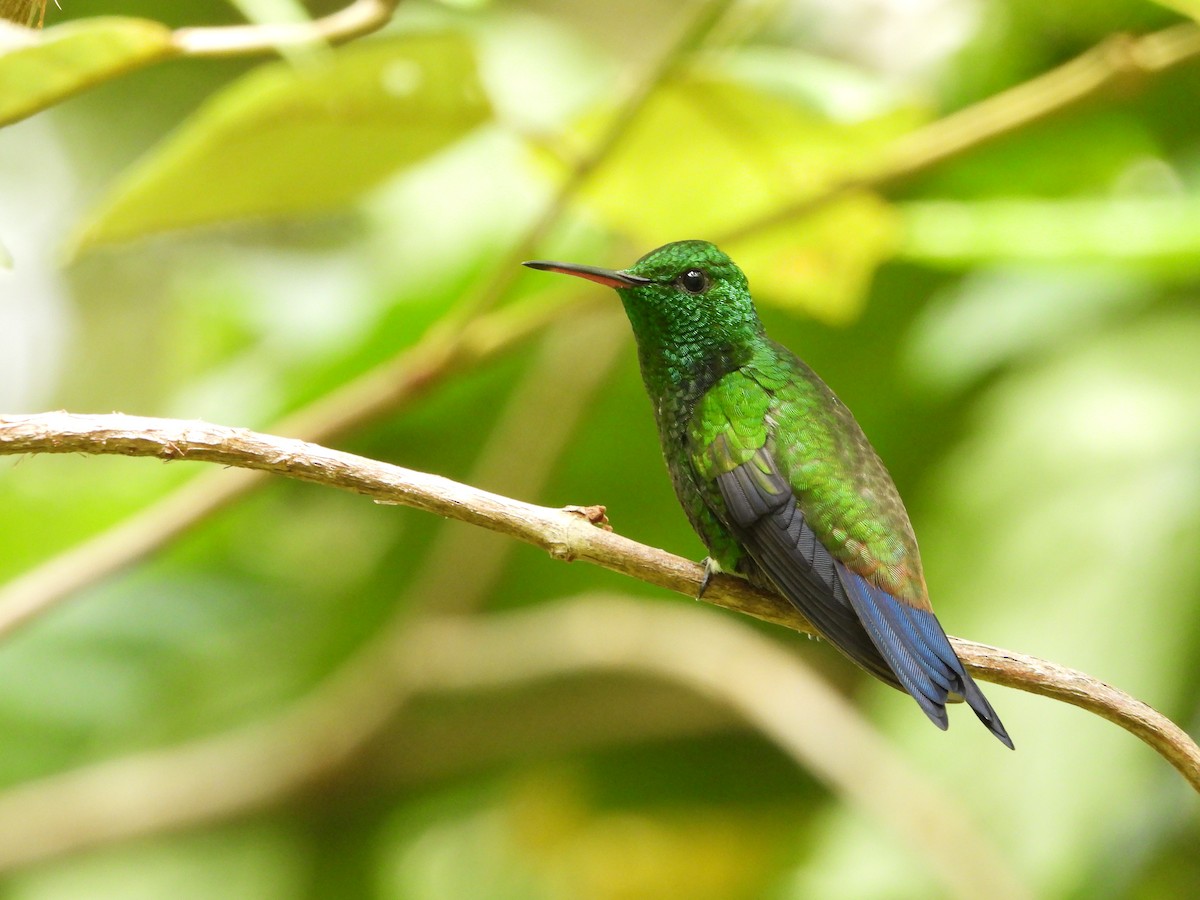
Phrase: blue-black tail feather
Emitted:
{"points": [[900, 644], [914, 644]]}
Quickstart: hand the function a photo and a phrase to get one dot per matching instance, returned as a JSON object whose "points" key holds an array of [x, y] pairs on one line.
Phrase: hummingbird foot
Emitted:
{"points": [[711, 568]]}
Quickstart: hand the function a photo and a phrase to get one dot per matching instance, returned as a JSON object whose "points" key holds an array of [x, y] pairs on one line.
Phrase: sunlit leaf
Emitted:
{"points": [[38, 70], [1189, 8], [707, 157], [287, 141], [821, 263]]}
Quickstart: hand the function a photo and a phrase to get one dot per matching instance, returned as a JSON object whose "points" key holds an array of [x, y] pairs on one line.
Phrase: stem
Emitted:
{"points": [[566, 534], [359, 18], [465, 336], [1115, 60], [379, 391]]}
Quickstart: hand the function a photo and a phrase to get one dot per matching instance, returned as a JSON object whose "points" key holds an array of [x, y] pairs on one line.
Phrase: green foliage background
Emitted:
{"points": [[1016, 327]]}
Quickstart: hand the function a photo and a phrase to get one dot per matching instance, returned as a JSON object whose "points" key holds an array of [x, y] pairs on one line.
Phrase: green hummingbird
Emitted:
{"points": [[777, 477]]}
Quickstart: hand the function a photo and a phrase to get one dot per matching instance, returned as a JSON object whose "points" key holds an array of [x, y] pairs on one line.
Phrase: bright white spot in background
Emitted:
{"points": [[402, 77], [905, 39], [304, 305], [515, 54], [1150, 175], [476, 193], [839, 90], [1117, 416], [36, 320], [311, 302]]}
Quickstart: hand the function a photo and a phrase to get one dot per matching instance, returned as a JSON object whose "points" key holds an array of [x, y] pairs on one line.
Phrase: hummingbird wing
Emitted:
{"points": [[897, 638]]}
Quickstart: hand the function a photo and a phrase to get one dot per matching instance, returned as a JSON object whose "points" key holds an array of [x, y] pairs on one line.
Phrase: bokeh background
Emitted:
{"points": [[1009, 304]]}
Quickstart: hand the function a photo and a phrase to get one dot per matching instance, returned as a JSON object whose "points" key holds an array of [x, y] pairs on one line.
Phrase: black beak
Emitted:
{"points": [[607, 277]]}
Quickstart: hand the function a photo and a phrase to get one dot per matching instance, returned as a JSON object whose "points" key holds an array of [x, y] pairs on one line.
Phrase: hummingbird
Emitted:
{"points": [[776, 476]]}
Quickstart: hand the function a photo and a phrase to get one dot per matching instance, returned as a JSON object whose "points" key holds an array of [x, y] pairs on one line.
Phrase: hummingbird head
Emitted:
{"points": [[686, 300]]}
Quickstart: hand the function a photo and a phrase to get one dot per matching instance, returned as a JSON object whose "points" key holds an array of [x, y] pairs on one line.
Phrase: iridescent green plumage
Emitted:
{"points": [[777, 477]]}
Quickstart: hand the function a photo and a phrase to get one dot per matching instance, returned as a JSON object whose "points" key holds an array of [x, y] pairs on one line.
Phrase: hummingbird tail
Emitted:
{"points": [[915, 646], [900, 644], [980, 706]]}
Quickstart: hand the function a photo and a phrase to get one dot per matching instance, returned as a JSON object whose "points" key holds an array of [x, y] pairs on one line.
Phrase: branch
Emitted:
{"points": [[373, 394], [468, 335], [1116, 60], [566, 534], [359, 18], [739, 668]]}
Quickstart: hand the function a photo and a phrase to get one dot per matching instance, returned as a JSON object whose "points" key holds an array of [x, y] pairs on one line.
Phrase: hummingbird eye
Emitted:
{"points": [[694, 281]]}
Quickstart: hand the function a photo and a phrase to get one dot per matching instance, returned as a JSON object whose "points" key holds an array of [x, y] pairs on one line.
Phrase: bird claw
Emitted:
{"points": [[710, 569]]}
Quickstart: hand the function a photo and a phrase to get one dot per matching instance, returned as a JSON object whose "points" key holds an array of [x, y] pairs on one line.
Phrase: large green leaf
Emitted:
{"points": [[38, 70], [709, 156], [821, 263], [286, 141]]}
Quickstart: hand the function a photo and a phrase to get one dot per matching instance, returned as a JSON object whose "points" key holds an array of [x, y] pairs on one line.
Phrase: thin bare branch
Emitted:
{"points": [[467, 336], [736, 667], [250, 768], [441, 352], [566, 534], [359, 18], [1117, 60], [383, 389]]}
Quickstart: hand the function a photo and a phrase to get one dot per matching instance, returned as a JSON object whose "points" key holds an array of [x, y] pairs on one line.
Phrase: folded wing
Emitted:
{"points": [[895, 641]]}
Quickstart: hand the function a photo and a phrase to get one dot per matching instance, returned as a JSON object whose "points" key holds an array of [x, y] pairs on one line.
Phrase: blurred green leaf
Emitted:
{"points": [[259, 861], [996, 316], [1081, 155], [708, 155], [266, 11], [1190, 8], [284, 141], [6, 260], [821, 264], [38, 70], [1161, 232]]}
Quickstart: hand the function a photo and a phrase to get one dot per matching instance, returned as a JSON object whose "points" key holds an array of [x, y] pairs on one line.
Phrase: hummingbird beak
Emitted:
{"points": [[609, 277]]}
